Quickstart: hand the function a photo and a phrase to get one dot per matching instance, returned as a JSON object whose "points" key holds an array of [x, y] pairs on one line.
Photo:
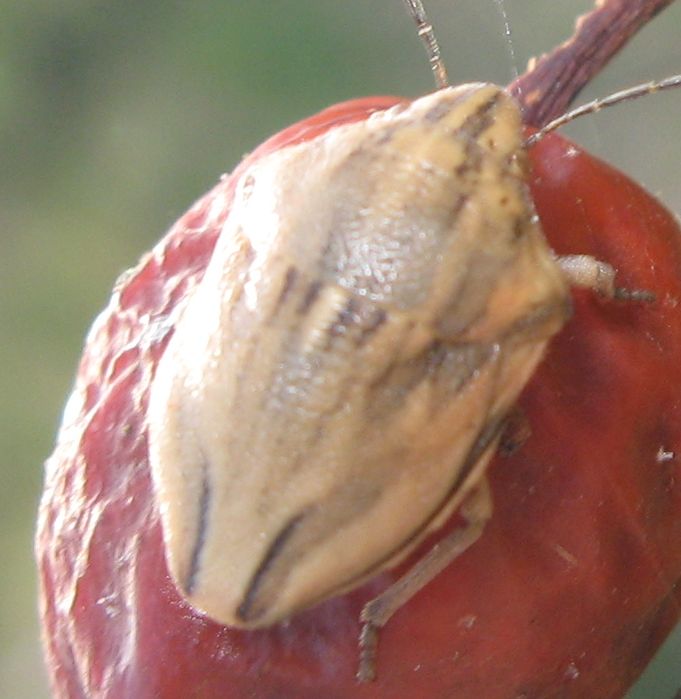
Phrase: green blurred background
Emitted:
{"points": [[115, 116]]}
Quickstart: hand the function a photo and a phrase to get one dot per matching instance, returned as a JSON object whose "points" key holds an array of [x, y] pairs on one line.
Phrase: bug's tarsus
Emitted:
{"points": [[635, 92], [368, 642], [425, 31]]}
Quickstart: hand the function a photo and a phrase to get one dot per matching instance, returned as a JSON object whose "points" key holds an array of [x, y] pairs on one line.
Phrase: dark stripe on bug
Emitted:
{"points": [[345, 318], [375, 320], [248, 610], [488, 435], [287, 287], [532, 326], [310, 297], [447, 367], [358, 318], [200, 539], [471, 129], [481, 119]]}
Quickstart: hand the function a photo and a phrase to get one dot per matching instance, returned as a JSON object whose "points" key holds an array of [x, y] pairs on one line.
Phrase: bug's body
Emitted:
{"points": [[377, 300]]}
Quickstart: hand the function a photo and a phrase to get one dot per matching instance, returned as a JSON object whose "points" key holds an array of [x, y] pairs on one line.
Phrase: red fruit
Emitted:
{"points": [[568, 593]]}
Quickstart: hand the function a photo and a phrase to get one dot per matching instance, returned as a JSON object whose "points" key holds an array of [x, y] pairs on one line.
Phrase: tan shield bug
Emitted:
{"points": [[339, 380]]}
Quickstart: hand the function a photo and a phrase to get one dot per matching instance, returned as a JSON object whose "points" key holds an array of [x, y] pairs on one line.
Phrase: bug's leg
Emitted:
{"points": [[476, 510], [588, 272]]}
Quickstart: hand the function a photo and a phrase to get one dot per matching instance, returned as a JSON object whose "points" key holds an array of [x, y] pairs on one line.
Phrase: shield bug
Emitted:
{"points": [[340, 378]]}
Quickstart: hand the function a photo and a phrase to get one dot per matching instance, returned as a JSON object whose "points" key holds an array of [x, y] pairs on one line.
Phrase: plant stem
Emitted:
{"points": [[552, 81]]}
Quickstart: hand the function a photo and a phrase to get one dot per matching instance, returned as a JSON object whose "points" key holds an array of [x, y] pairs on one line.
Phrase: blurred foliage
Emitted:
{"points": [[115, 115]]}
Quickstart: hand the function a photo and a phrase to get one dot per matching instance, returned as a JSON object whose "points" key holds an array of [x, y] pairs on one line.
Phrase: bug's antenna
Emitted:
{"points": [[597, 105], [425, 31]]}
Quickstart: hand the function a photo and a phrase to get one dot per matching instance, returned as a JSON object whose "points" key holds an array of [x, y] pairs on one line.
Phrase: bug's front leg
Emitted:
{"points": [[476, 510], [590, 273]]}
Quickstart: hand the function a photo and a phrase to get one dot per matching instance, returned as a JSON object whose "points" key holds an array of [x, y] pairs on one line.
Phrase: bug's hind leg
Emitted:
{"points": [[476, 510], [590, 273]]}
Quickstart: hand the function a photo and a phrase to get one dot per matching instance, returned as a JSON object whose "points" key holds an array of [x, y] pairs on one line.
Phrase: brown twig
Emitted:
{"points": [[551, 82]]}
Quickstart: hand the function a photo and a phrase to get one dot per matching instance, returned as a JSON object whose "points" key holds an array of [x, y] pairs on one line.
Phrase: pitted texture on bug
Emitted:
{"points": [[377, 299]]}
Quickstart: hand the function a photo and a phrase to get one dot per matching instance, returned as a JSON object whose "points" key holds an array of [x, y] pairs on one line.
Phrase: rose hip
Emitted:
{"points": [[574, 582]]}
